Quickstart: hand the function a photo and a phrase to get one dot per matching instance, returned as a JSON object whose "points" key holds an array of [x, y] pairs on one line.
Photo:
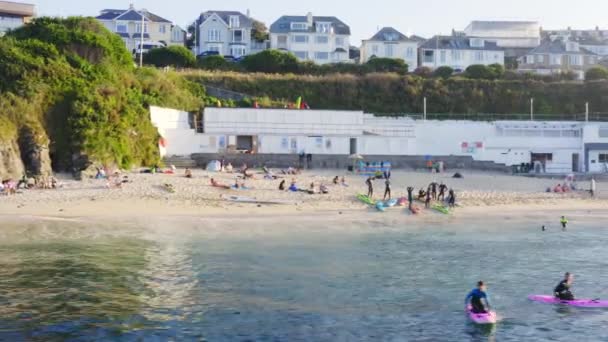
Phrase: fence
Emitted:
{"points": [[490, 117]]}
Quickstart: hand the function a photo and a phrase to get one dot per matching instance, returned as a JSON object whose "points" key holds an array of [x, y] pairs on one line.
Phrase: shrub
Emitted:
{"points": [[386, 65], [596, 73], [444, 72], [175, 56], [271, 61]]}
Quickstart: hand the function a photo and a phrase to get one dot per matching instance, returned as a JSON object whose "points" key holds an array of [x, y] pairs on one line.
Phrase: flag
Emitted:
{"points": [[299, 102]]}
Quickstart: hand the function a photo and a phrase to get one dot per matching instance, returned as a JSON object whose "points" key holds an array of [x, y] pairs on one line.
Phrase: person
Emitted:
{"points": [[336, 180], [387, 189], [311, 189], [562, 290], [228, 168], [188, 173], [410, 196], [421, 195], [23, 182], [282, 185], [101, 174], [593, 185], [343, 181], [324, 190], [442, 189], [293, 187], [543, 228], [427, 202], [451, 198], [477, 297], [434, 190], [564, 222], [370, 187]]}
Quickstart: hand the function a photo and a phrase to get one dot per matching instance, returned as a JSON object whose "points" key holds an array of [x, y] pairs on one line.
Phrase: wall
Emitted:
{"points": [[285, 144]]}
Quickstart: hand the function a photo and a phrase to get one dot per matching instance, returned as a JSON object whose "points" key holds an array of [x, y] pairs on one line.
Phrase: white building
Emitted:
{"points": [[14, 14], [562, 147], [225, 33], [319, 39], [595, 40], [515, 37], [459, 52], [390, 43]]}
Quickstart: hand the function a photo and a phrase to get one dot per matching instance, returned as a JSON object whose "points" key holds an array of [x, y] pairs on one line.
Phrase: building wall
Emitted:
{"points": [[226, 41], [461, 59], [311, 49], [407, 51]]}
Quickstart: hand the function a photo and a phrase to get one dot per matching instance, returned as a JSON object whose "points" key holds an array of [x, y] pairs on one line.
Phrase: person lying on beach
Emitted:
{"points": [[216, 184], [247, 174], [558, 189], [188, 173], [324, 190], [282, 185]]}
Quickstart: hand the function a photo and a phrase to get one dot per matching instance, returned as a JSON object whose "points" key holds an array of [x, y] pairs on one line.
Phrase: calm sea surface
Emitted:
{"points": [[295, 280]]}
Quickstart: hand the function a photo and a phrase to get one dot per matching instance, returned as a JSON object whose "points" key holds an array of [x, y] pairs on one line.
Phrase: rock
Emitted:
{"points": [[82, 167], [34, 147], [11, 165]]}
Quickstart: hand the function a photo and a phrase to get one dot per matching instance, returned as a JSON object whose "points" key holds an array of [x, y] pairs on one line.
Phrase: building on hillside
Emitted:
{"points": [[156, 31], [226, 33], [558, 56], [459, 52], [310, 38], [14, 15], [332, 136], [595, 40], [390, 43], [515, 37]]}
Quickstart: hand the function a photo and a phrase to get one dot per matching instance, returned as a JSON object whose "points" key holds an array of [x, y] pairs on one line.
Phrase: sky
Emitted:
{"points": [[421, 17]]}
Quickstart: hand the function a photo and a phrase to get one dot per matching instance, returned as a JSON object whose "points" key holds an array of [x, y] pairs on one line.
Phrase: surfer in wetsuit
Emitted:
{"points": [[387, 189], [370, 187], [564, 222], [477, 297], [410, 196], [562, 290], [442, 189]]}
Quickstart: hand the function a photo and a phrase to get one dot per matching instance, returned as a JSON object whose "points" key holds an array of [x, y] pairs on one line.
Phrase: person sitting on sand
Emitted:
{"points": [[558, 189], [336, 180], [188, 173], [282, 185], [293, 187], [421, 195], [324, 190], [101, 174], [228, 168], [343, 182]]}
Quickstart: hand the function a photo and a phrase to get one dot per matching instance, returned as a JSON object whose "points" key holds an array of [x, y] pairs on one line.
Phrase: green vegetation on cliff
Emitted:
{"points": [[74, 84]]}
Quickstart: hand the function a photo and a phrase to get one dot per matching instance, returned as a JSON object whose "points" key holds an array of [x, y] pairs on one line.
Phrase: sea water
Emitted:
{"points": [[295, 279]]}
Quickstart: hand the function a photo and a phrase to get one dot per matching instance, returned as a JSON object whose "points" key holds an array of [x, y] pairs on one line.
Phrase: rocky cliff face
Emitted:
{"points": [[35, 153], [11, 165]]}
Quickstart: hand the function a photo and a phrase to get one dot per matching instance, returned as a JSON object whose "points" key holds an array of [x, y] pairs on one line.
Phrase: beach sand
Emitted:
{"points": [[478, 194]]}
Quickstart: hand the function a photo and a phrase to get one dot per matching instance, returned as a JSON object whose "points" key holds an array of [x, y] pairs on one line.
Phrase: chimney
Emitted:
{"points": [[309, 18], [248, 13], [131, 6]]}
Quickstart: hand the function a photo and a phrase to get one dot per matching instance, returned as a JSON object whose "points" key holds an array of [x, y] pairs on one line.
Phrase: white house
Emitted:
{"points": [[459, 52], [390, 43], [227, 33], [14, 15], [562, 147], [558, 56], [319, 39], [515, 37], [155, 31], [595, 40]]}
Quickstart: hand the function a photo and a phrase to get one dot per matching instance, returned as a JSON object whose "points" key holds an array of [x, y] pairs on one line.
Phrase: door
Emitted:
{"points": [[575, 162], [353, 145]]}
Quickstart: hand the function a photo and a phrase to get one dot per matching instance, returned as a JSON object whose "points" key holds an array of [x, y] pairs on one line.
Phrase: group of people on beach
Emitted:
{"points": [[434, 192], [11, 187]]}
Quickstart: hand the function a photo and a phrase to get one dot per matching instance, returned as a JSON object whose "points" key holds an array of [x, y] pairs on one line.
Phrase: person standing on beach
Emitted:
{"points": [[564, 222], [410, 196], [593, 185], [452, 198], [442, 190], [434, 190], [387, 189], [427, 202], [370, 187]]}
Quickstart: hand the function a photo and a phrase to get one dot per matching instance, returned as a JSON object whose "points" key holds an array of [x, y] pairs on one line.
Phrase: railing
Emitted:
{"points": [[581, 117]]}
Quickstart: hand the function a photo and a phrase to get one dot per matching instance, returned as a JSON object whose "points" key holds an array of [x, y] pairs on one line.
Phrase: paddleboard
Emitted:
{"points": [[441, 209], [582, 303], [481, 318], [380, 206], [402, 202], [390, 203], [365, 199]]}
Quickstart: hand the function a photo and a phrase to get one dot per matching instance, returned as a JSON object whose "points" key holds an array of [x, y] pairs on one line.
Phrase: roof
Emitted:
{"points": [[283, 24], [390, 34], [244, 20], [130, 15], [456, 43], [557, 46], [504, 29], [17, 8]]}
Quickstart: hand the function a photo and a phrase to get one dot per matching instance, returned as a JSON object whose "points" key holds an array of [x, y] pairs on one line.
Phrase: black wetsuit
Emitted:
{"points": [[410, 196], [370, 188], [442, 190], [562, 291], [387, 189]]}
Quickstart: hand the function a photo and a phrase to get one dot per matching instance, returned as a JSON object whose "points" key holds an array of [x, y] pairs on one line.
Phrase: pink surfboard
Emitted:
{"points": [[481, 318], [582, 303]]}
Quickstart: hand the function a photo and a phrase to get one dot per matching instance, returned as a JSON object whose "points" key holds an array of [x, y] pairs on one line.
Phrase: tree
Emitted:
{"points": [[175, 56], [498, 71], [191, 36], [387, 65], [444, 72], [480, 72], [271, 61], [596, 73], [259, 31]]}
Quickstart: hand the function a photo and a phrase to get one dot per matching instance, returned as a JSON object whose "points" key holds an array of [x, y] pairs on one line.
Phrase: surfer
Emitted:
{"points": [[562, 290], [387, 189], [477, 297], [427, 202], [442, 189], [370, 187], [564, 222], [452, 198], [434, 190], [410, 196]]}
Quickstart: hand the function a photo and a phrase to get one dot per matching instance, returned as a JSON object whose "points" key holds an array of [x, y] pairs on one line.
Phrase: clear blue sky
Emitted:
{"points": [[422, 17]]}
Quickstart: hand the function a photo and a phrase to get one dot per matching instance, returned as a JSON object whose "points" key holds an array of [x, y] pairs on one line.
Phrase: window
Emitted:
{"points": [[237, 36], [575, 59], [322, 39], [477, 42], [603, 158], [323, 27], [556, 59], [479, 56], [237, 51], [162, 29], [321, 55], [282, 41], [121, 28], [429, 56], [442, 56], [388, 50], [299, 26], [300, 39], [540, 59], [455, 55], [339, 41], [303, 55], [603, 132], [213, 35], [375, 49], [409, 52], [138, 28], [529, 59], [234, 21]]}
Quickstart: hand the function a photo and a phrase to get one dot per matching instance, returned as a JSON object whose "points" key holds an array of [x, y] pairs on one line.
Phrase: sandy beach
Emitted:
{"points": [[145, 195]]}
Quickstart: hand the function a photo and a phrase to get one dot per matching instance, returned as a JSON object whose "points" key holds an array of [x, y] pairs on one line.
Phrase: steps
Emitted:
{"points": [[181, 162]]}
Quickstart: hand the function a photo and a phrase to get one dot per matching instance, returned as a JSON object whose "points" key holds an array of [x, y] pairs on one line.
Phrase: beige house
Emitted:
{"points": [[14, 14], [155, 31], [390, 43], [558, 56]]}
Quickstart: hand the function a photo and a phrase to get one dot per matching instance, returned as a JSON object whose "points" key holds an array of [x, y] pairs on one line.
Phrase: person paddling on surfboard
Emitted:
{"points": [[562, 290], [477, 297]]}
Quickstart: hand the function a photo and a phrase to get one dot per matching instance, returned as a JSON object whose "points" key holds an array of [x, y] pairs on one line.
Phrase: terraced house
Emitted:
{"points": [[459, 52], [311, 38], [14, 14], [556, 56], [156, 31]]}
